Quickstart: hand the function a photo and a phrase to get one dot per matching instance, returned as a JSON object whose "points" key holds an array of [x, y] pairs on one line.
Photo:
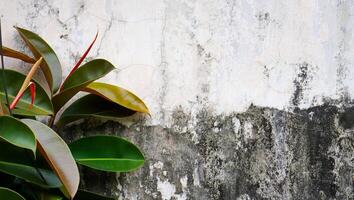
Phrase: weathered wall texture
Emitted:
{"points": [[249, 99]]}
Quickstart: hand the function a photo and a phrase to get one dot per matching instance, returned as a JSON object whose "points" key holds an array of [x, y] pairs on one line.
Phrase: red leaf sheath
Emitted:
{"points": [[80, 60], [32, 87]]}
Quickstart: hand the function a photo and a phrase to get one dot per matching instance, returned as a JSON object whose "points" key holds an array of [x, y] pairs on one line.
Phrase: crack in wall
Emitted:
{"points": [[162, 66]]}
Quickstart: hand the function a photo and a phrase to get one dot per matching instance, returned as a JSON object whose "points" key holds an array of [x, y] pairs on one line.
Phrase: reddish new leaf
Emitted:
{"points": [[80, 60], [32, 87], [26, 84]]}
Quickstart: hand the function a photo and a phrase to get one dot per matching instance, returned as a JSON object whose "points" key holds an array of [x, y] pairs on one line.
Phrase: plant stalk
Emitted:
{"points": [[51, 121], [4, 83]]}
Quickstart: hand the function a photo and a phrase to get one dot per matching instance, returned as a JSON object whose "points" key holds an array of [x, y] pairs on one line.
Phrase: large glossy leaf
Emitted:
{"points": [[16, 54], [86, 195], [107, 153], [42, 104], [17, 133], [51, 65], [57, 154], [118, 95], [93, 106], [7, 194], [31, 174], [83, 76]]}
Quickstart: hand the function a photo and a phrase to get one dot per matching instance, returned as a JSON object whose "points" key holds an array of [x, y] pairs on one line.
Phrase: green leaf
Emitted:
{"points": [[12, 153], [118, 95], [6, 193], [107, 153], [17, 133], [83, 76], [57, 154], [93, 106], [30, 174], [18, 55], [51, 65], [8, 180], [47, 195], [42, 104], [86, 195]]}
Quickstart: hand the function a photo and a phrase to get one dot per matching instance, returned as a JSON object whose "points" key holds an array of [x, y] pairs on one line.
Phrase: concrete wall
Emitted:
{"points": [[249, 99]]}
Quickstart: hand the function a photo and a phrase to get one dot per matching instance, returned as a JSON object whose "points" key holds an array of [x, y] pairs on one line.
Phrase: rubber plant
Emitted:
{"points": [[35, 162]]}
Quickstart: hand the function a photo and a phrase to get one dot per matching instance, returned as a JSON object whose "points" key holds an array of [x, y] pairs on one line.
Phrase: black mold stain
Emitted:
{"points": [[262, 153], [321, 132], [263, 19], [204, 54], [300, 82], [263, 16], [346, 119], [266, 71]]}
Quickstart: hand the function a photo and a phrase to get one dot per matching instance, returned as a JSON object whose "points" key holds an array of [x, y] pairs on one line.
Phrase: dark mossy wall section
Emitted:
{"points": [[262, 153]]}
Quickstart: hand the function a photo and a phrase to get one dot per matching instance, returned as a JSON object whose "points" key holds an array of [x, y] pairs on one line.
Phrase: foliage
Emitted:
{"points": [[35, 162]]}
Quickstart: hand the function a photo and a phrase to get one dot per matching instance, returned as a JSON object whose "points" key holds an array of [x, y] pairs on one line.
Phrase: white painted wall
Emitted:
{"points": [[221, 55]]}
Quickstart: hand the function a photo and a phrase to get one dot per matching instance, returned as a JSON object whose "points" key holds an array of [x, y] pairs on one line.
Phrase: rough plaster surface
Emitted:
{"points": [[261, 153], [249, 99]]}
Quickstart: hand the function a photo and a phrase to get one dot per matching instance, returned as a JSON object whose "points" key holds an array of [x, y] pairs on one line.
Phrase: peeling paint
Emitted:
{"points": [[166, 189]]}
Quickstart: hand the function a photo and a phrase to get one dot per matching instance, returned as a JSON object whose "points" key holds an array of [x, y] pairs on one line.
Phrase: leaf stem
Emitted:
{"points": [[51, 121], [3, 72]]}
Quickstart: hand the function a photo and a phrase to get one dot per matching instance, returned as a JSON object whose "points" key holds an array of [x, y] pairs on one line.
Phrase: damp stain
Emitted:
{"points": [[262, 153]]}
